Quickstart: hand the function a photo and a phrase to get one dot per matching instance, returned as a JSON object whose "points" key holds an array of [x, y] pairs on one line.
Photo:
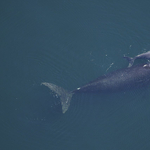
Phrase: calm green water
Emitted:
{"points": [[69, 43]]}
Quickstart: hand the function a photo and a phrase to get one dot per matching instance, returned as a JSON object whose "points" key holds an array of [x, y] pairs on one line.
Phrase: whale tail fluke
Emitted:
{"points": [[130, 60], [65, 96]]}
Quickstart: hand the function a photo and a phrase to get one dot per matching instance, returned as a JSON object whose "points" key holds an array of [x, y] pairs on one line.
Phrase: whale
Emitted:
{"points": [[119, 80], [140, 56]]}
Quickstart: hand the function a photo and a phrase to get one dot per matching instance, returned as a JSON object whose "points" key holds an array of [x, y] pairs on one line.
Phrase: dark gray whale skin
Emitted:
{"points": [[122, 79]]}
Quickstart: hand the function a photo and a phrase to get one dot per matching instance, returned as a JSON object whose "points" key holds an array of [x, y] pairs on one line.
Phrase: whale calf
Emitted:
{"points": [[122, 79], [140, 56]]}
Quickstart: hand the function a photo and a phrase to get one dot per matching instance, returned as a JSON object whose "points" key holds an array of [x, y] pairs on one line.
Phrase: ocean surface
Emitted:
{"points": [[69, 43]]}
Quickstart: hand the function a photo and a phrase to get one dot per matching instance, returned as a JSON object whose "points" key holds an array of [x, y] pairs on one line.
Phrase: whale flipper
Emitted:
{"points": [[65, 96], [130, 60]]}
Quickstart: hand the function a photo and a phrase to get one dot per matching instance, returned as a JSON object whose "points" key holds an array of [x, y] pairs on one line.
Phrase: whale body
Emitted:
{"points": [[122, 79]]}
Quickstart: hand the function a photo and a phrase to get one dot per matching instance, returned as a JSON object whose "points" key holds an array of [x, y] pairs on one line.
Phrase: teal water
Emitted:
{"points": [[69, 43]]}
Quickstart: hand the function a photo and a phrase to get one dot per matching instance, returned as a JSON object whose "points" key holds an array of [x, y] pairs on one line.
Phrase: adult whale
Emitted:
{"points": [[123, 79]]}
